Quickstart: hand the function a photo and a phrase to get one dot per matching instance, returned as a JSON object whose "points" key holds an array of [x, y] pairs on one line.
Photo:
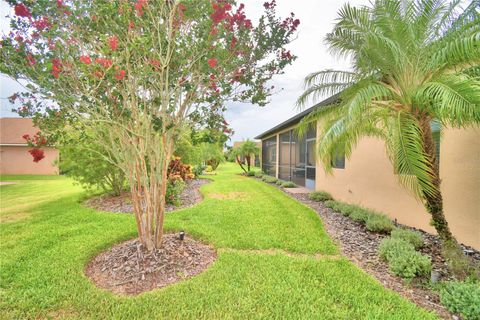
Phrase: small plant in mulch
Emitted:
{"points": [[462, 298], [280, 182], [379, 223], [269, 179], [128, 268], [403, 260], [258, 174], [288, 184], [319, 196], [372, 220], [412, 237]]}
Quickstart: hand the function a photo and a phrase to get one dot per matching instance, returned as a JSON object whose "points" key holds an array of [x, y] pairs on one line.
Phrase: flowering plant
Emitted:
{"points": [[137, 70]]}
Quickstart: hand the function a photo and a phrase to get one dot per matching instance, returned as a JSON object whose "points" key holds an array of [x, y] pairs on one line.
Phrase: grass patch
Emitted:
{"points": [[43, 258]]}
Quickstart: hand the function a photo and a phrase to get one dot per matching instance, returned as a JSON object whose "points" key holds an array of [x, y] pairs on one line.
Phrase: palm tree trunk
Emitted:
{"points": [[434, 203], [248, 162], [239, 161]]}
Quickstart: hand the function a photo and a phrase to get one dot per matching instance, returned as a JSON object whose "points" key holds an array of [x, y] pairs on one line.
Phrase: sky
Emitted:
{"points": [[317, 18]]}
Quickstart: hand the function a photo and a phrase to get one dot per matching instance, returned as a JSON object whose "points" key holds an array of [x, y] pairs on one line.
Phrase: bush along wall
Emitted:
{"points": [[372, 220]]}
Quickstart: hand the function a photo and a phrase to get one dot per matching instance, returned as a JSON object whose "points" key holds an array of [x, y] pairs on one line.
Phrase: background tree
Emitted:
{"points": [[137, 70], [413, 63], [245, 153], [85, 161]]}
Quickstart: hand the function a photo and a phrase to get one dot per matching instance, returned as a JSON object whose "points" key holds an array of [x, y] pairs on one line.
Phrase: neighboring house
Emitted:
{"points": [[368, 178], [14, 156], [254, 161]]}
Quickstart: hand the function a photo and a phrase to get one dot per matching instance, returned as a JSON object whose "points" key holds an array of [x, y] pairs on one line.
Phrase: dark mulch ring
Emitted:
{"points": [[360, 246], [129, 269], [122, 204]]}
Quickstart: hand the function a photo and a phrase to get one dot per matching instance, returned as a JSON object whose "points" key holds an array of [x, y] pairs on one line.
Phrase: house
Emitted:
{"points": [[14, 155], [368, 178]]}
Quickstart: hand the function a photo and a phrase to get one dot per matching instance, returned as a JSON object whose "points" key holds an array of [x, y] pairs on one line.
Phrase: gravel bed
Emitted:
{"points": [[360, 246], [129, 269]]}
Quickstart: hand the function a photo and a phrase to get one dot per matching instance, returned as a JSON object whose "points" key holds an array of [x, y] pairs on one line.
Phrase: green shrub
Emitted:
{"points": [[258, 174], [250, 173], [280, 182], [332, 204], [288, 184], [85, 162], [410, 264], [379, 223], [358, 214], [340, 207], [269, 179], [462, 298], [174, 189], [390, 247], [403, 260], [209, 168], [319, 196], [413, 237], [198, 170]]}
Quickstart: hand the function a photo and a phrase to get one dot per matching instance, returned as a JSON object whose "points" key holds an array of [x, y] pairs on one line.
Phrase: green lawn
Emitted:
{"points": [[47, 238]]}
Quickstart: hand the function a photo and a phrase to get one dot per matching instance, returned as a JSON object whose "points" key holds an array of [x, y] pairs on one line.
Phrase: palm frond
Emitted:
{"points": [[457, 54], [405, 149], [454, 99]]}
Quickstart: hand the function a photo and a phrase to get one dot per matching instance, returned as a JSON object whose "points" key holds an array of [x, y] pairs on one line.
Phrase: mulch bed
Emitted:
{"points": [[129, 269], [122, 204], [360, 246]]}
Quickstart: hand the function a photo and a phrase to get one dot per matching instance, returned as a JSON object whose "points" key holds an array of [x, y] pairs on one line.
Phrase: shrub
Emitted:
{"points": [[198, 170], [410, 264], [332, 204], [174, 189], [319, 196], [390, 247], [403, 260], [462, 298], [357, 214], [250, 173], [288, 184], [179, 170], [279, 182], [379, 223], [269, 179], [209, 168], [85, 162], [258, 174], [458, 263], [412, 237]]}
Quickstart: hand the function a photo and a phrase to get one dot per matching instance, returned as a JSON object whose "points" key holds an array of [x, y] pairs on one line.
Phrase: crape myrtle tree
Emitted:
{"points": [[414, 63], [137, 69]]}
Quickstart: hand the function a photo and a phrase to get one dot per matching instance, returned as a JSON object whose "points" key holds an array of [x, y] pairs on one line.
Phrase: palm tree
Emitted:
{"points": [[246, 150], [414, 63]]}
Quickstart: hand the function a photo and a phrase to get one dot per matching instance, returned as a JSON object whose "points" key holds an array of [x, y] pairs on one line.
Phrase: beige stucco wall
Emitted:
{"points": [[368, 180], [17, 160]]}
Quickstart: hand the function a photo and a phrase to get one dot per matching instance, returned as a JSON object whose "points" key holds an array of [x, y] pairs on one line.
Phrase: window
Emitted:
{"points": [[338, 161]]}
